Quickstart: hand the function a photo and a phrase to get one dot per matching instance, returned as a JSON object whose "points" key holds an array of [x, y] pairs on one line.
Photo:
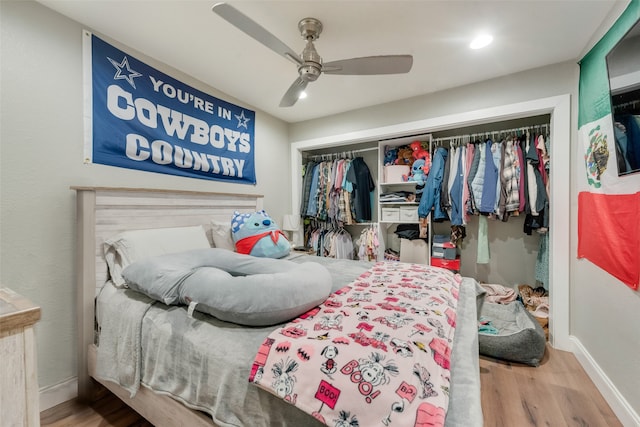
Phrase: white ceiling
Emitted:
{"points": [[188, 36]]}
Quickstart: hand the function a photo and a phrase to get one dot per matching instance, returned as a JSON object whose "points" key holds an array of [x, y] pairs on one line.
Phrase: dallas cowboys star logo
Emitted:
{"points": [[242, 120], [124, 71]]}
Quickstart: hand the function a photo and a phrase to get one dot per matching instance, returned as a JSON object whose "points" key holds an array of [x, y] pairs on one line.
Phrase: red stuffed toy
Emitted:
{"points": [[418, 151]]}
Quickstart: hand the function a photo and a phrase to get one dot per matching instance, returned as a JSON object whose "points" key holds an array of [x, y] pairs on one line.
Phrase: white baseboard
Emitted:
{"points": [[58, 393], [619, 405]]}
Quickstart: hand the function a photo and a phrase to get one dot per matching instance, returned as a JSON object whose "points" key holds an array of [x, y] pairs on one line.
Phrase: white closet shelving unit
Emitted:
{"points": [[391, 214]]}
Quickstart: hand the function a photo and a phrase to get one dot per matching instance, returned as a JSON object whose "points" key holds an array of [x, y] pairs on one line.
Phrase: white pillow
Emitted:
{"points": [[221, 232], [135, 245]]}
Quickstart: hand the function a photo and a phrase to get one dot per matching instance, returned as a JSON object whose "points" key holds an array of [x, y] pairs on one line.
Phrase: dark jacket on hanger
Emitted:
{"points": [[363, 185]]}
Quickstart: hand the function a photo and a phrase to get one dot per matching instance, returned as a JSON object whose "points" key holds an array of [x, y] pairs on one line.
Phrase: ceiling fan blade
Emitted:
{"points": [[293, 93], [253, 29], [370, 65]]}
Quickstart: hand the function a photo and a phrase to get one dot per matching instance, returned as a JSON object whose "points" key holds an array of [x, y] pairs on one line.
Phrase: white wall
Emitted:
{"points": [[604, 313], [41, 156]]}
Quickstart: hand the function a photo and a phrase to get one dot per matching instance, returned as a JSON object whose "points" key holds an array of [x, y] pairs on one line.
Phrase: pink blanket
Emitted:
{"points": [[377, 352]]}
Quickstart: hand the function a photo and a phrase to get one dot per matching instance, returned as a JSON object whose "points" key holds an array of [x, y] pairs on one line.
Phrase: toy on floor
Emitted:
{"points": [[258, 234]]}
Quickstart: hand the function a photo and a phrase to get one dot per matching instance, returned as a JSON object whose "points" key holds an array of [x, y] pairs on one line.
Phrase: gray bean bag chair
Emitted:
{"points": [[509, 332]]}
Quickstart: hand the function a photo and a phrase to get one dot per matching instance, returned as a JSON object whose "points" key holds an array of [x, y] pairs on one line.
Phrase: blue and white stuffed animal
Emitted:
{"points": [[390, 156], [258, 235], [418, 174]]}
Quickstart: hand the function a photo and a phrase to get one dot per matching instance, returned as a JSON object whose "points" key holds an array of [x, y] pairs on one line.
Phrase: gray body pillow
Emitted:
{"points": [[230, 286]]}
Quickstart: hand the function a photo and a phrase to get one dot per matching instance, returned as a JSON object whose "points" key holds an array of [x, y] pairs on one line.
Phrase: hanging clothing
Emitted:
{"points": [[510, 179], [431, 194], [489, 183], [307, 176], [445, 203], [312, 207], [456, 188], [368, 244], [363, 184], [496, 151], [631, 125], [483, 256], [542, 261], [330, 242], [477, 183], [522, 189], [467, 205]]}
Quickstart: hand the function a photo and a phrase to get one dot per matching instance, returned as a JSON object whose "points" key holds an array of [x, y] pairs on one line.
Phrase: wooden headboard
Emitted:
{"points": [[103, 212]]}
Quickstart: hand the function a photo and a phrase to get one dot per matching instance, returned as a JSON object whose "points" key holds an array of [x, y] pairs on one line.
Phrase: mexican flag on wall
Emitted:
{"points": [[608, 204]]}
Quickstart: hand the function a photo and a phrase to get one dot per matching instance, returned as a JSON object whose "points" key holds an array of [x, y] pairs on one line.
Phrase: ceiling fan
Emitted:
{"points": [[309, 62]]}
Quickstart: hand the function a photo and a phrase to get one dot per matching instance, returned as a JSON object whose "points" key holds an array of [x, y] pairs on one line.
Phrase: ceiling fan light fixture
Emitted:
{"points": [[302, 95], [483, 40], [309, 63]]}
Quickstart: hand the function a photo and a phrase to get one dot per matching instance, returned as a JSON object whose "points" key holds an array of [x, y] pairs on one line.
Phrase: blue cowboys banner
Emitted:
{"points": [[137, 117]]}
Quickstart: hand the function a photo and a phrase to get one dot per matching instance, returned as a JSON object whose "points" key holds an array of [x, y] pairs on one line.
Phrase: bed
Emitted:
{"points": [[221, 396]]}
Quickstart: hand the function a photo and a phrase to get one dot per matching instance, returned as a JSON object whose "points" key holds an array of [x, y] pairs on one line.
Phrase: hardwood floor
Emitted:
{"points": [[107, 411], [556, 393]]}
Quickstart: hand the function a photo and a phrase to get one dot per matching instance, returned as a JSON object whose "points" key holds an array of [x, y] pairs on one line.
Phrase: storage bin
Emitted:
{"points": [[393, 173], [449, 264], [409, 213], [390, 214], [446, 253], [415, 251]]}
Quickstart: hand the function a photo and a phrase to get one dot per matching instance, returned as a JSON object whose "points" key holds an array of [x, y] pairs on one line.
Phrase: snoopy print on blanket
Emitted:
{"points": [[375, 353]]}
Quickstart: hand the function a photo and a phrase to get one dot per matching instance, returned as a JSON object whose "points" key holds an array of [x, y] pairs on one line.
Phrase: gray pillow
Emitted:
{"points": [[230, 286], [519, 336]]}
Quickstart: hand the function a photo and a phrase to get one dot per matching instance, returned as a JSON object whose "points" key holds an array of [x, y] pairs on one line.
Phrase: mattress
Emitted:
{"points": [[205, 363]]}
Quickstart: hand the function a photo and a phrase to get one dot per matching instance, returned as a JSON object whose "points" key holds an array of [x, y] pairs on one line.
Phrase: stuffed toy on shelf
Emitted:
{"points": [[418, 174], [405, 156], [418, 152]]}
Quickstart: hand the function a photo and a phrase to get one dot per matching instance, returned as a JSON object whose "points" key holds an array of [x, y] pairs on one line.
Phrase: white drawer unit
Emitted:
{"points": [[390, 214], [408, 213]]}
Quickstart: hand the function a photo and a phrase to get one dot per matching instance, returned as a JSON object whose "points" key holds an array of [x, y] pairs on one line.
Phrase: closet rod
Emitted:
{"points": [[362, 150], [470, 136], [627, 104], [343, 153]]}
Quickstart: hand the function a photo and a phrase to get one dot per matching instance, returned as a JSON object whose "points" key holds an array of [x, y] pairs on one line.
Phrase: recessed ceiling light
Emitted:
{"points": [[481, 41], [302, 95]]}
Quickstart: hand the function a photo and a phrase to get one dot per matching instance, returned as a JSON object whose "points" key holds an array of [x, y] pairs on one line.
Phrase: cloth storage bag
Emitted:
{"points": [[415, 251]]}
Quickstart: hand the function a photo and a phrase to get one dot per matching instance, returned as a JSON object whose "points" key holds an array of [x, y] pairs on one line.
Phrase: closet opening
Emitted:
{"points": [[555, 112]]}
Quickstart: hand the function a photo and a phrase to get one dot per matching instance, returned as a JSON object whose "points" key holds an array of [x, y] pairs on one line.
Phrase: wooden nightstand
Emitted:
{"points": [[19, 395]]}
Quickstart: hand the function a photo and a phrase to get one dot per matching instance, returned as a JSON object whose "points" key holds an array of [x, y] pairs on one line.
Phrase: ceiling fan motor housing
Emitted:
{"points": [[311, 68]]}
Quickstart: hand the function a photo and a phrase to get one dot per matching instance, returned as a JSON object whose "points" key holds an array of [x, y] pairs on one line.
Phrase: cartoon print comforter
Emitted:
{"points": [[376, 352]]}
